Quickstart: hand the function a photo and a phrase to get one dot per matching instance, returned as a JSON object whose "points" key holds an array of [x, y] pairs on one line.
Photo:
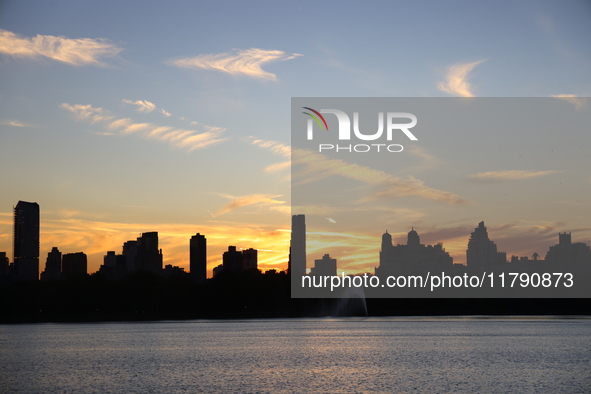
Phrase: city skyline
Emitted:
{"points": [[144, 254], [117, 128]]}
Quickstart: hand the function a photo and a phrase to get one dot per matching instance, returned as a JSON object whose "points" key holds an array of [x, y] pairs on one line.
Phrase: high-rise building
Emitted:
{"points": [[149, 257], [250, 257], [325, 266], [53, 265], [569, 253], [481, 250], [198, 257], [3, 266], [232, 260], [297, 249], [74, 264], [130, 253], [413, 256], [113, 266], [26, 240], [237, 261]]}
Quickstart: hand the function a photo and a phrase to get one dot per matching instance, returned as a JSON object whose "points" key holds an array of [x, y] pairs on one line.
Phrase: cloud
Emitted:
{"points": [[246, 62], [146, 106], [278, 166], [16, 123], [274, 146], [83, 112], [396, 187], [142, 105], [77, 52], [315, 167], [509, 175], [578, 102], [238, 202], [457, 80], [189, 140]]}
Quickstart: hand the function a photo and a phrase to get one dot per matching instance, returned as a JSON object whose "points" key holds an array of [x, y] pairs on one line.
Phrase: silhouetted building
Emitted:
{"points": [[4, 266], [217, 270], [237, 261], [250, 258], [130, 253], [569, 253], [482, 251], [53, 265], [324, 266], [412, 256], [535, 258], [113, 266], [170, 270], [149, 257], [297, 248], [26, 240], [232, 260], [198, 257], [74, 264]]}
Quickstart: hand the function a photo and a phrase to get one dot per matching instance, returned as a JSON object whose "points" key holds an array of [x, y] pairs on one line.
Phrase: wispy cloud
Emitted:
{"points": [[274, 146], [142, 105], [146, 106], [316, 167], [16, 123], [189, 140], [242, 201], [246, 62], [87, 111], [578, 102], [396, 187], [509, 175], [74, 51], [456, 82]]}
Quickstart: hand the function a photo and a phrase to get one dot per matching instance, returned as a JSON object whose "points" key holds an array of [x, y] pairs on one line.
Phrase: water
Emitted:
{"points": [[310, 355]]}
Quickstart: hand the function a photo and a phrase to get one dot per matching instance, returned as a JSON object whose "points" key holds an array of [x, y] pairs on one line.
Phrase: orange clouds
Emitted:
{"points": [[457, 80], [246, 62], [76, 52]]}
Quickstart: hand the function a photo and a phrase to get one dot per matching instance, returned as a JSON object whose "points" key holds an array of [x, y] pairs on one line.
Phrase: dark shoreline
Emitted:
{"points": [[250, 295]]}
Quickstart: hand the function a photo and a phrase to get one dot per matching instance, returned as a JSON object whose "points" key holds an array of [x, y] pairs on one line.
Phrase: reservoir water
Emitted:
{"points": [[386, 355]]}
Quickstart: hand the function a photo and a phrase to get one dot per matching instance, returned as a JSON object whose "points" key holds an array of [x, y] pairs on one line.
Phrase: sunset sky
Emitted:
{"points": [[126, 117]]}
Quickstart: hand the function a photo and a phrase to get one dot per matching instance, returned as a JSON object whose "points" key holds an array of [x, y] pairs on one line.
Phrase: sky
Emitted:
{"points": [[126, 117]]}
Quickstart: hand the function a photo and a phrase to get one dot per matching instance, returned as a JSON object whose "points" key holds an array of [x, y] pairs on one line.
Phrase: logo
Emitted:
{"points": [[393, 125]]}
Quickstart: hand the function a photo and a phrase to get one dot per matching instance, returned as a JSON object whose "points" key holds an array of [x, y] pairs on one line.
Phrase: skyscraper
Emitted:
{"points": [[149, 257], [569, 253], [239, 260], [481, 250], [3, 266], [325, 266], [130, 253], [74, 264], [53, 265], [233, 260], [297, 249], [250, 257], [414, 256], [26, 240], [198, 257]]}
